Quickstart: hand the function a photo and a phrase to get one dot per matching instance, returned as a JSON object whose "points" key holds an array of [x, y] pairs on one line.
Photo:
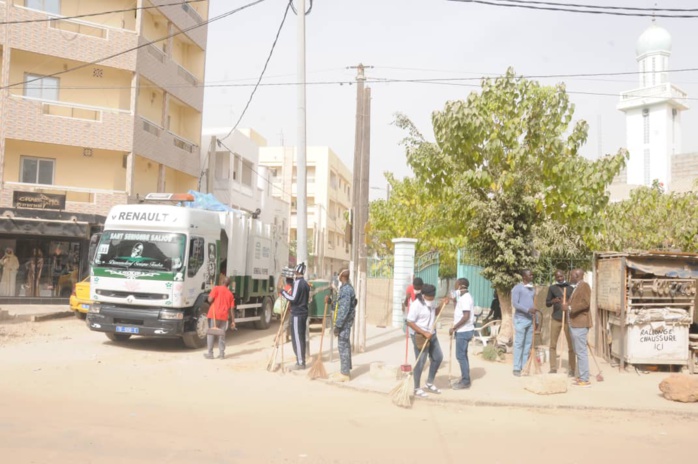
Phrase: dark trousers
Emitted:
{"points": [[298, 331], [344, 348]]}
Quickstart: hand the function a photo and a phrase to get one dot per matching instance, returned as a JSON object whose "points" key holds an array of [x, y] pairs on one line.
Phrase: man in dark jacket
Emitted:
{"points": [[298, 298], [556, 292], [342, 326]]}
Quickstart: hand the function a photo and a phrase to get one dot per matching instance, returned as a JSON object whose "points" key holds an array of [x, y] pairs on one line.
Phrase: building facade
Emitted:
{"points": [[653, 123], [329, 193], [94, 111], [232, 173]]}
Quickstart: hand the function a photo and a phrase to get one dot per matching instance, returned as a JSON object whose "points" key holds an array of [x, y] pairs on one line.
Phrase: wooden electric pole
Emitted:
{"points": [[360, 186]]}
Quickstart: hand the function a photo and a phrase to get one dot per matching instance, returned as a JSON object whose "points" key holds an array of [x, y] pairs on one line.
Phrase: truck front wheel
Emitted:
{"points": [[265, 316], [197, 338]]}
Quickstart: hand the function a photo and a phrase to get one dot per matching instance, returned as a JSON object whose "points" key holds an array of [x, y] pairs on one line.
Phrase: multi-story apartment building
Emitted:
{"points": [[94, 111], [231, 172], [328, 203]]}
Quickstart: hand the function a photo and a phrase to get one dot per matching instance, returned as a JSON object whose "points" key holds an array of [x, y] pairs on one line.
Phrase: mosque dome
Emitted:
{"points": [[655, 39]]}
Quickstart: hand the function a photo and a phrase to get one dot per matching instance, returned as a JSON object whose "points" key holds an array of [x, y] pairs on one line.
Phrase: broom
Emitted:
{"points": [[407, 367], [402, 393], [599, 376], [532, 361], [275, 349], [317, 371]]}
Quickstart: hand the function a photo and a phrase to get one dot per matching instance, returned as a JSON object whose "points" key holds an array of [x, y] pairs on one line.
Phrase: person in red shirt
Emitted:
{"points": [[222, 302], [412, 292]]}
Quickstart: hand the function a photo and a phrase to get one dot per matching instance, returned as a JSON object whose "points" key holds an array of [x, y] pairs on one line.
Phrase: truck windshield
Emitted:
{"points": [[141, 250]]}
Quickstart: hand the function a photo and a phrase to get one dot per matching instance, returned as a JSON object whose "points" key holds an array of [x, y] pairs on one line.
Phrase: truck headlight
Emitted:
{"points": [[94, 308], [171, 315]]}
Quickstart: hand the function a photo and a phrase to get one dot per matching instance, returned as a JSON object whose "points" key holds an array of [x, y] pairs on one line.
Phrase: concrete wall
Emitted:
{"points": [[379, 302]]}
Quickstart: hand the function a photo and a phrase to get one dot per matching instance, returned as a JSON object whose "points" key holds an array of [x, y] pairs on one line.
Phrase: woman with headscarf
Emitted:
{"points": [[421, 320], [342, 325], [10, 266]]}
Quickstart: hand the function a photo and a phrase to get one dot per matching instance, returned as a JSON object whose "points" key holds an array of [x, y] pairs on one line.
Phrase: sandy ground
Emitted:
{"points": [[68, 395]]}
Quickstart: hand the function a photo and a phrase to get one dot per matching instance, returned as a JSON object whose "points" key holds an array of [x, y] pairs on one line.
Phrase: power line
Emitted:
{"points": [[572, 10], [264, 68], [145, 44], [88, 15], [603, 7]]}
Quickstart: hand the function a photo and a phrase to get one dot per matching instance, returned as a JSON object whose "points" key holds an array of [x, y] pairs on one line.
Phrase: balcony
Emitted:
{"points": [[163, 71], [66, 123], [154, 142], [78, 199], [653, 95], [184, 16], [71, 39]]}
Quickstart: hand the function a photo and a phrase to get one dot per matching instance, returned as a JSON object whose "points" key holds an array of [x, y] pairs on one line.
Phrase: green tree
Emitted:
{"points": [[508, 157], [651, 220]]}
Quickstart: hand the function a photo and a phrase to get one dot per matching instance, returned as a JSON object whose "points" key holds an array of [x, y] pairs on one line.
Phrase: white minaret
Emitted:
{"points": [[653, 112]]}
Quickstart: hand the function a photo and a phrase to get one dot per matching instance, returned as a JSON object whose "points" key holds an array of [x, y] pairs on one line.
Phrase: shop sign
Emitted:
{"points": [[38, 200]]}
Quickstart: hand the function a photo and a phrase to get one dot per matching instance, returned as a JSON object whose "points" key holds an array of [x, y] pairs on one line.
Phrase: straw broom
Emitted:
{"points": [[275, 349], [317, 371], [402, 393], [532, 361]]}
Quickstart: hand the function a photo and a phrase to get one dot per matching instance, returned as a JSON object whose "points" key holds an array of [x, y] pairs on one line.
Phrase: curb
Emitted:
{"points": [[46, 317], [519, 405]]}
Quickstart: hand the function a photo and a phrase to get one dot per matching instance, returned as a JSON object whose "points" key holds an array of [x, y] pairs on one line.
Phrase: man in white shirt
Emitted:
{"points": [[463, 327]]}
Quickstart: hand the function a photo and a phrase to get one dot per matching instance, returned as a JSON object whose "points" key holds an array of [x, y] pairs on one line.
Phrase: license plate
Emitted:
{"points": [[85, 306], [128, 330]]}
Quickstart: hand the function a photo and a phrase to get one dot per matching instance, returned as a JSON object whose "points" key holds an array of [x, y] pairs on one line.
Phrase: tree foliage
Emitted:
{"points": [[509, 158], [650, 220]]}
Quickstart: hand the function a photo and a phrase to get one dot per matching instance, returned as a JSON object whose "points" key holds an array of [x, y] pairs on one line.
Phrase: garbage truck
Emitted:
{"points": [[156, 262]]}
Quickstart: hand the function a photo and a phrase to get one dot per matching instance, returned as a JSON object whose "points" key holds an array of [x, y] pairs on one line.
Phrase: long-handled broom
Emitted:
{"points": [[599, 376], [402, 393], [277, 339], [532, 361], [317, 371]]}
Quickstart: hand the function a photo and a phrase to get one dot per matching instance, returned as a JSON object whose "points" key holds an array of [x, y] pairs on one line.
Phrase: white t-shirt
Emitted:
{"points": [[422, 315], [464, 303]]}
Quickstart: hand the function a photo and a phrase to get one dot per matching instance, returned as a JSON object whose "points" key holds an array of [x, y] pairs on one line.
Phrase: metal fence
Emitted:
{"points": [[427, 268], [480, 288]]}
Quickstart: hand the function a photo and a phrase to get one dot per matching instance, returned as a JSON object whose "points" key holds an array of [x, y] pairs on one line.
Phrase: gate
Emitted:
{"points": [[480, 288], [427, 267]]}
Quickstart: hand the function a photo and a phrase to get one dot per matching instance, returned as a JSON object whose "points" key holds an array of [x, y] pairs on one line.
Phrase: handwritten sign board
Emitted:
{"points": [[38, 200], [609, 281], [668, 343]]}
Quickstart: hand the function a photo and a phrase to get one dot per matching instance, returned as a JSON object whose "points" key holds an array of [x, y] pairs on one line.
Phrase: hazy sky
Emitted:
{"points": [[426, 39]]}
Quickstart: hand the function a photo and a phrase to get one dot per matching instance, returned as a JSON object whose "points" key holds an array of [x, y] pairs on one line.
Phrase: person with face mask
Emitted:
{"points": [[421, 321], [342, 326], [522, 300], [298, 297], [557, 292], [463, 328]]}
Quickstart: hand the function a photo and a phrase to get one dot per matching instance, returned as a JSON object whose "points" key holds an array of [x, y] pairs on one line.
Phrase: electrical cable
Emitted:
{"points": [[571, 10], [145, 44], [603, 7], [88, 15], [264, 68]]}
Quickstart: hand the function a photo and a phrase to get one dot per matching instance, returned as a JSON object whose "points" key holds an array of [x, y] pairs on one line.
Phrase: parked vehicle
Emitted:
{"points": [[156, 263], [80, 298]]}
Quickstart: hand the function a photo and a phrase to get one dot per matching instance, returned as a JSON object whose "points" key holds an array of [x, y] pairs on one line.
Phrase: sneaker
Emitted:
{"points": [[221, 356], [419, 393], [460, 386], [432, 388], [553, 371], [208, 355], [582, 383], [517, 373], [299, 367], [339, 377]]}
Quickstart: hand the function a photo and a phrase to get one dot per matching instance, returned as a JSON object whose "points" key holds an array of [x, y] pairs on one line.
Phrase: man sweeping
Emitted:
{"points": [[298, 298], [222, 303], [342, 326]]}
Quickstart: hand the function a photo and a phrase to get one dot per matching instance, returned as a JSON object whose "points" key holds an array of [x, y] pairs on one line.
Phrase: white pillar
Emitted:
{"points": [[403, 270]]}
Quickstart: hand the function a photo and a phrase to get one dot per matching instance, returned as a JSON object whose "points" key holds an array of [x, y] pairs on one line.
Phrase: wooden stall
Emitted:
{"points": [[644, 308]]}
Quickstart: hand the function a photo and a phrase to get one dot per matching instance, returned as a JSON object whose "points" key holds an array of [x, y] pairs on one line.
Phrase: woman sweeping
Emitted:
{"points": [[420, 319]]}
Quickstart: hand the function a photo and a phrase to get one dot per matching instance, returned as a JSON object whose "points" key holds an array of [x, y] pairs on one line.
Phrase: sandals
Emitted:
{"points": [[419, 393], [432, 388]]}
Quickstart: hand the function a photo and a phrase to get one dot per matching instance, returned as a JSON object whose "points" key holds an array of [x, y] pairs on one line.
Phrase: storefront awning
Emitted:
{"points": [[51, 228]]}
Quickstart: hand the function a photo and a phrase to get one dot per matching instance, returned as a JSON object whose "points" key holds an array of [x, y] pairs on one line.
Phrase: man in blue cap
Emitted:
{"points": [[298, 297]]}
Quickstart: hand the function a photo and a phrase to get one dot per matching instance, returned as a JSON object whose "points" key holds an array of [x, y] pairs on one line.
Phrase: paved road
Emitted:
{"points": [[68, 395]]}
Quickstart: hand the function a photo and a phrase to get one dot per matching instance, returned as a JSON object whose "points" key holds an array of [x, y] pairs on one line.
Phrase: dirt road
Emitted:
{"points": [[68, 395]]}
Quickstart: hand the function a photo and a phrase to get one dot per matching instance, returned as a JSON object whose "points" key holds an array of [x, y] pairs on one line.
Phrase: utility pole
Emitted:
{"points": [[360, 185], [301, 200]]}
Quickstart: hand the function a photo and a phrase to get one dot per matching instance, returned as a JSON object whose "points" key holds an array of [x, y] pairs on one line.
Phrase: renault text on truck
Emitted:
{"points": [[156, 263]]}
